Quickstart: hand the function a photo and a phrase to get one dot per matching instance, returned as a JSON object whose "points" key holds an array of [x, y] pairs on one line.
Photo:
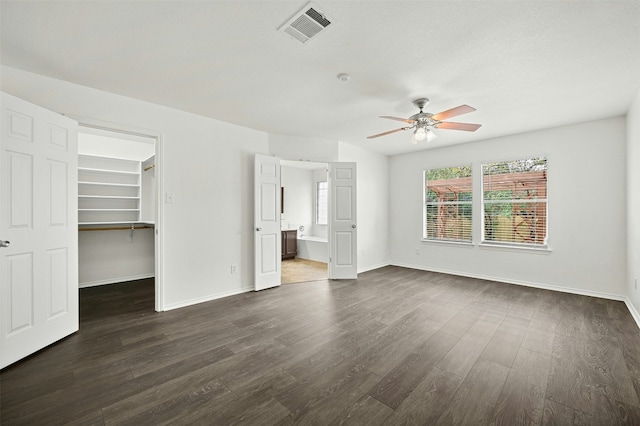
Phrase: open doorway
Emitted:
{"points": [[304, 221], [117, 208]]}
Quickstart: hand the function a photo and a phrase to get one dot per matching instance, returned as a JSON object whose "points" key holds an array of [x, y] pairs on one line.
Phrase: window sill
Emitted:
{"points": [[521, 248], [468, 244]]}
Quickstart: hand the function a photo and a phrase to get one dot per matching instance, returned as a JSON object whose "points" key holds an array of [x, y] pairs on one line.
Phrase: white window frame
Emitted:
{"points": [[426, 204], [544, 245]]}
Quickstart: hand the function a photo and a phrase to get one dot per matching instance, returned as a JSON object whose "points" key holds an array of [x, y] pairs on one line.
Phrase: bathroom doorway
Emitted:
{"points": [[304, 221]]}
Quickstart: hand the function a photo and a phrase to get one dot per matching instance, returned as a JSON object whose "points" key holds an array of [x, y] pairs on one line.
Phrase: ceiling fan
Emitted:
{"points": [[425, 122]]}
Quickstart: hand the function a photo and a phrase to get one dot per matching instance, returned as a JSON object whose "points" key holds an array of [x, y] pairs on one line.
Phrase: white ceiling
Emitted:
{"points": [[523, 64]]}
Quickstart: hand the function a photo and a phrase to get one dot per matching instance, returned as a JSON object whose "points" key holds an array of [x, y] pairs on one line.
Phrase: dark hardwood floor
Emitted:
{"points": [[397, 346]]}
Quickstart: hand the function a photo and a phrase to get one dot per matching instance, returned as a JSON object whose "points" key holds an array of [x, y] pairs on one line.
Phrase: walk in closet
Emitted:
{"points": [[116, 207]]}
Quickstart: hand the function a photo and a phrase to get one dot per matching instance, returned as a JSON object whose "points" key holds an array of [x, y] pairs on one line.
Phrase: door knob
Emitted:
{"points": [[258, 229], [353, 226], [4, 243]]}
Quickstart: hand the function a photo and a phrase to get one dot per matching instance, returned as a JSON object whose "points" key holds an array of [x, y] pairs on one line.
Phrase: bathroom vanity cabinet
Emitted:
{"points": [[289, 244]]}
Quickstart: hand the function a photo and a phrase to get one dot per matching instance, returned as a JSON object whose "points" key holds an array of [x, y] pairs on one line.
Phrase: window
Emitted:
{"points": [[447, 207], [514, 197], [322, 192]]}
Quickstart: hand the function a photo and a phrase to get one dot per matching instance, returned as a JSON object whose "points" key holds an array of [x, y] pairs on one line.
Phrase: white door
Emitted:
{"points": [[343, 231], [267, 245], [39, 224]]}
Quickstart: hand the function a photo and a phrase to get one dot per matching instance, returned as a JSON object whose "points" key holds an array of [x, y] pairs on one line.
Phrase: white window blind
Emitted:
{"points": [[322, 193], [448, 204], [514, 197]]}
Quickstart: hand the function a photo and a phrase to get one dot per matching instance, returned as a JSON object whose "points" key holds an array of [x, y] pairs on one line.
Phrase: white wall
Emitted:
{"points": [[106, 257], [373, 204], [296, 148], [207, 164], [298, 198], [633, 203], [587, 217]]}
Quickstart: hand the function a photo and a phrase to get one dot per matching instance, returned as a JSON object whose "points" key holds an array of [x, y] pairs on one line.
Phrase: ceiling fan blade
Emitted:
{"points": [[406, 120], [459, 110], [387, 133], [469, 127]]}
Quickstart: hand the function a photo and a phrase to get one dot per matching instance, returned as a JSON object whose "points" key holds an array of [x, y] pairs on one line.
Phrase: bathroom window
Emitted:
{"points": [[322, 194]]}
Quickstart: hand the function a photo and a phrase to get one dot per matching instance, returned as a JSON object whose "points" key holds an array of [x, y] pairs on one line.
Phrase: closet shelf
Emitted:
{"points": [[112, 197], [109, 190], [108, 210], [109, 171], [127, 185], [83, 226]]}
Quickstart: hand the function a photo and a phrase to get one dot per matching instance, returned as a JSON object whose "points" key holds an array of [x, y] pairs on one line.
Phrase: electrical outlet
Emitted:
{"points": [[234, 268], [170, 197], [417, 250]]}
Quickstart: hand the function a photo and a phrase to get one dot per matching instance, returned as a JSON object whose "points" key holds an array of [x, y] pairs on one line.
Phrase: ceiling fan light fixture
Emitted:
{"points": [[420, 134], [431, 135]]}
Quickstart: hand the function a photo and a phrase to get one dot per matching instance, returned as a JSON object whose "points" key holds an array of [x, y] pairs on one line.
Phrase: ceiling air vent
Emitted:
{"points": [[306, 24]]}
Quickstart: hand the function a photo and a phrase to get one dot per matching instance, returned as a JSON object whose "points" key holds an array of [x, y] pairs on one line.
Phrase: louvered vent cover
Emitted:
{"points": [[306, 24]]}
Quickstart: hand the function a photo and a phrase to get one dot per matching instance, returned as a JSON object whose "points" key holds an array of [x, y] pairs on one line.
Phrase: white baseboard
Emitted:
{"points": [[115, 280], [632, 310], [371, 268], [543, 286], [208, 298]]}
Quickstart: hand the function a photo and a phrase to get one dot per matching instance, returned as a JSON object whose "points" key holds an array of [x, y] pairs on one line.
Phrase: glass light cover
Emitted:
{"points": [[420, 134]]}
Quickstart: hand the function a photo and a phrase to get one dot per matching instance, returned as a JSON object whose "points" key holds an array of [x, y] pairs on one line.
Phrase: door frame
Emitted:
{"points": [[158, 170]]}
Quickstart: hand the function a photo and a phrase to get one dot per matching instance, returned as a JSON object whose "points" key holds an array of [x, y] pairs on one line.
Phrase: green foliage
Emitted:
{"points": [[448, 173], [525, 165]]}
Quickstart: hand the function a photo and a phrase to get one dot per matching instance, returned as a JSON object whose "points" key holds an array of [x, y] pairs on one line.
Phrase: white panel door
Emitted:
{"points": [[267, 247], [38, 226], [343, 231]]}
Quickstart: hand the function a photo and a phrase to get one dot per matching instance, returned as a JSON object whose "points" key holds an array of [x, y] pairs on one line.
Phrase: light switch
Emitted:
{"points": [[170, 198]]}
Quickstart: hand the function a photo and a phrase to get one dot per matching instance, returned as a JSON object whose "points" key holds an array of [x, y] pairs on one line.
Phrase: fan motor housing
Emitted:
{"points": [[421, 117], [421, 103]]}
